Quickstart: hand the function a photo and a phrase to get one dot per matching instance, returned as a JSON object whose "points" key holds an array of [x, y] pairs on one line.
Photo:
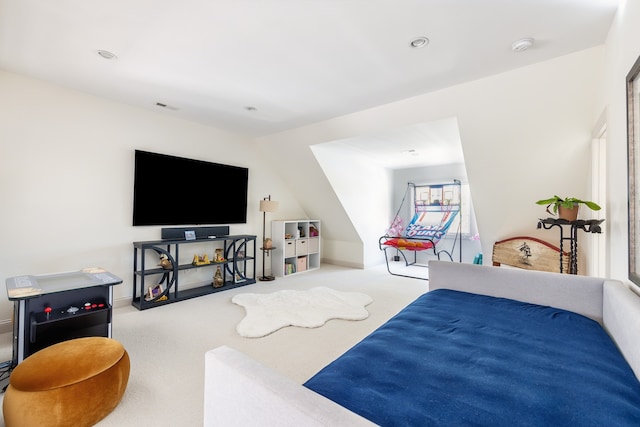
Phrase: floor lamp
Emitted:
{"points": [[266, 205]]}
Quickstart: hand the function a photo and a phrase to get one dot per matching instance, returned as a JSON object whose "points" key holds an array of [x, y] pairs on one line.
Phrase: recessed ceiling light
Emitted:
{"points": [[250, 108], [106, 54], [419, 42], [522, 44]]}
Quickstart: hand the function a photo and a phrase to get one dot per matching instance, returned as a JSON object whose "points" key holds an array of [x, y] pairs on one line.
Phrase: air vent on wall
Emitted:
{"points": [[163, 105]]}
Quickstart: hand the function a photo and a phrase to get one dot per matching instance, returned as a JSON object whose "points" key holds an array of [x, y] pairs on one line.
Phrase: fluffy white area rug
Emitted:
{"points": [[266, 313]]}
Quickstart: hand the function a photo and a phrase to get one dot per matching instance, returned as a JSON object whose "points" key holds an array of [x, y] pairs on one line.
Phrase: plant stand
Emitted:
{"points": [[588, 226]]}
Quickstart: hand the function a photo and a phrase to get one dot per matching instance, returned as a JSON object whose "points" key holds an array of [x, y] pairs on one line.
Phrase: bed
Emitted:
{"points": [[456, 358], [486, 346]]}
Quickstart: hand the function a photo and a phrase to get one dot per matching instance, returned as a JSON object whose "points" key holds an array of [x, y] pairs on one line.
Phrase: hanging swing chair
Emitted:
{"points": [[433, 209]]}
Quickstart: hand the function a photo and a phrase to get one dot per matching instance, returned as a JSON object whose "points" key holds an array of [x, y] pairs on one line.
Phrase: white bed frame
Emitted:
{"points": [[241, 392]]}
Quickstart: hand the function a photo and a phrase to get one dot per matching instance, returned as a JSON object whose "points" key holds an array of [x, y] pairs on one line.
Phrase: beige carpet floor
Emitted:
{"points": [[167, 344]]}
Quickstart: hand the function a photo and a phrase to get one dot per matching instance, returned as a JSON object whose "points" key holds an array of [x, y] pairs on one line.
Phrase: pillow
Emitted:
{"points": [[412, 245]]}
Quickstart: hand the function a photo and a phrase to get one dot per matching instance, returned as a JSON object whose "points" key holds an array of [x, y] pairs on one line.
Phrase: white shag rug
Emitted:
{"points": [[266, 313]]}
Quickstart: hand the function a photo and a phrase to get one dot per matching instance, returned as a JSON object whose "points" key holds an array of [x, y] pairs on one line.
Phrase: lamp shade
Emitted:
{"points": [[268, 206]]}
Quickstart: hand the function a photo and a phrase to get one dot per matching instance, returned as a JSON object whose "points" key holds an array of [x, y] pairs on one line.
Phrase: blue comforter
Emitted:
{"points": [[453, 358]]}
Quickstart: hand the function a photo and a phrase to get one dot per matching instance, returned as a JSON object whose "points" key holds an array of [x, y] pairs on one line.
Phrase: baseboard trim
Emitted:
{"points": [[121, 302], [6, 326], [343, 263]]}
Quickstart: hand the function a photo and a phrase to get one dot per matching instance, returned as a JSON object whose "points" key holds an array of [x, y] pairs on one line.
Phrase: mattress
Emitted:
{"points": [[456, 358]]}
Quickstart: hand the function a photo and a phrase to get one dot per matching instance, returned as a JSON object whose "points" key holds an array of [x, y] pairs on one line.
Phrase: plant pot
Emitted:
{"points": [[570, 214]]}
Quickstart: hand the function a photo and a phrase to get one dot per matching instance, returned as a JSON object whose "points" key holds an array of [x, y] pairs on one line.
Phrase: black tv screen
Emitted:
{"points": [[170, 190]]}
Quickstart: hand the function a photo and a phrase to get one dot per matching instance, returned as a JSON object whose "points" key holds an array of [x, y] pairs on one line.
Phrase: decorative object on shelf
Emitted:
{"points": [[240, 255], [190, 235], [268, 243], [266, 205], [218, 281], [313, 232], [201, 260], [289, 268], [219, 257], [154, 292], [165, 263], [239, 277], [566, 208]]}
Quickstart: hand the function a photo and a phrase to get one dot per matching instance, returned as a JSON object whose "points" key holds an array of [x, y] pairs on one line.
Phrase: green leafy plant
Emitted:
{"points": [[568, 202]]}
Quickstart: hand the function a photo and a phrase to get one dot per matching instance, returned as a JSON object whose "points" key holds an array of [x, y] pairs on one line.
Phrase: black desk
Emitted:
{"points": [[52, 308]]}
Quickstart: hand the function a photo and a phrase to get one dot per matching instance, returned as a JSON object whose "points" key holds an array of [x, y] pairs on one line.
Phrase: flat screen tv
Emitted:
{"points": [[170, 190]]}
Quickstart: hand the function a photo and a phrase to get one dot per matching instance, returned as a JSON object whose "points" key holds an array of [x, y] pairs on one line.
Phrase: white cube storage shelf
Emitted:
{"points": [[297, 246]]}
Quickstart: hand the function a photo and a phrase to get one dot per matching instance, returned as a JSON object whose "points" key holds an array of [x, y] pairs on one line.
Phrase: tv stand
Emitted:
{"points": [[237, 268]]}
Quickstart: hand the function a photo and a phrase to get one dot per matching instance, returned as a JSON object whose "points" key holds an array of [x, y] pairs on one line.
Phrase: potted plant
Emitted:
{"points": [[566, 208]]}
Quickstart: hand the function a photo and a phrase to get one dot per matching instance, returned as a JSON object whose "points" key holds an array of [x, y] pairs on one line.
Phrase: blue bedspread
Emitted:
{"points": [[452, 358]]}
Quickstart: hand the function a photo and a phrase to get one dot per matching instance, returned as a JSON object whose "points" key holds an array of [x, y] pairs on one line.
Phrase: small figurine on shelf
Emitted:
{"points": [[165, 263], [239, 277], [201, 260], [218, 256], [155, 292], [313, 231], [218, 281]]}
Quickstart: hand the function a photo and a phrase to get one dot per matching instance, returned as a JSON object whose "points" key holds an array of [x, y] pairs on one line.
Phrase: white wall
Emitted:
{"points": [[299, 168], [66, 179], [364, 190], [621, 51], [520, 131]]}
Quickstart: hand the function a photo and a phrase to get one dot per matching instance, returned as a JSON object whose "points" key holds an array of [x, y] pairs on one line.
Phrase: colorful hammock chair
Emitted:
{"points": [[434, 211]]}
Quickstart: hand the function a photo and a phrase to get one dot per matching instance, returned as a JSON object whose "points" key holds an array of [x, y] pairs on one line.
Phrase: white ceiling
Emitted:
{"points": [[296, 61]]}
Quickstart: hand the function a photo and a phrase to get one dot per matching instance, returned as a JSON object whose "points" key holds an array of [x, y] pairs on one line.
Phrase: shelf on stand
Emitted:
{"points": [[588, 226], [239, 255]]}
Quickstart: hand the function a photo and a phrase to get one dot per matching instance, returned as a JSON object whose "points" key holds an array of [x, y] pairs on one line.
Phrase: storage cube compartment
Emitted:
{"points": [[314, 245], [289, 248], [302, 247], [290, 229], [314, 229], [313, 261], [290, 266], [302, 263]]}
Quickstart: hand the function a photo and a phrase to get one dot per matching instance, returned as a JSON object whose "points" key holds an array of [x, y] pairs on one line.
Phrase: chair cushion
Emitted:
{"points": [[74, 361], [75, 383]]}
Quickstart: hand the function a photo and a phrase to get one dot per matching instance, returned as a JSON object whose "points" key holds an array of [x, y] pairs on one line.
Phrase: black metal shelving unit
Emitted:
{"points": [[239, 254]]}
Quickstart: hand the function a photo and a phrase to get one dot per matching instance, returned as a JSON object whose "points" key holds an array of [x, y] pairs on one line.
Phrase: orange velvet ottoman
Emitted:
{"points": [[72, 383]]}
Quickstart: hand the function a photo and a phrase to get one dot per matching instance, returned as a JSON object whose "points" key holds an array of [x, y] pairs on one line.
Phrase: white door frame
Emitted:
{"points": [[598, 265]]}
